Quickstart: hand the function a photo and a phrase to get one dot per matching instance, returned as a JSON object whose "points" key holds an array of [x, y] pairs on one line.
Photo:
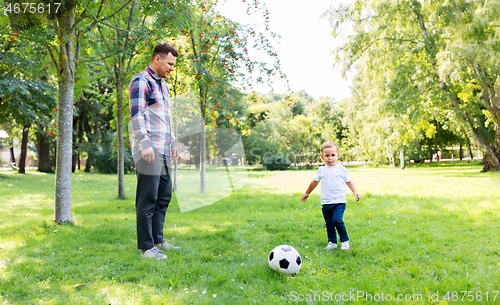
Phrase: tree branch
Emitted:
{"points": [[94, 22], [107, 46], [117, 10], [126, 42], [108, 25], [52, 57], [128, 25], [77, 22]]}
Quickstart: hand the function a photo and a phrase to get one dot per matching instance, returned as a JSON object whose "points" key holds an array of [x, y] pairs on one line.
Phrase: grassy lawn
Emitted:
{"points": [[428, 229]]}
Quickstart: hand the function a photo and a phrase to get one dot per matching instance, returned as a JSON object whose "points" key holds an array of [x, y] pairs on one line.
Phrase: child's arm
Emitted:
{"points": [[311, 188], [350, 184]]}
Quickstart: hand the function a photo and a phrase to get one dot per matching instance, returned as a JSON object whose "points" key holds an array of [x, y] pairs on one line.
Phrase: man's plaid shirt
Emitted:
{"points": [[150, 113]]}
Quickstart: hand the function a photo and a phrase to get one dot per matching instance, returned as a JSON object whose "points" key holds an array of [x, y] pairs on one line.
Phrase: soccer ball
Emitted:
{"points": [[285, 259]]}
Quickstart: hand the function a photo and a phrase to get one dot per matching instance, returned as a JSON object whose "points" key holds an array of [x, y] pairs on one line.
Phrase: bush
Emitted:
{"points": [[276, 162]]}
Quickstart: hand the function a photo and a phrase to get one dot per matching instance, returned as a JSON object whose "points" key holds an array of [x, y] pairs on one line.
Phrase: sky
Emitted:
{"points": [[306, 44]]}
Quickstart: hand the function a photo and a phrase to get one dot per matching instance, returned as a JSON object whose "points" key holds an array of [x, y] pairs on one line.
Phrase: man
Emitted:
{"points": [[153, 147]]}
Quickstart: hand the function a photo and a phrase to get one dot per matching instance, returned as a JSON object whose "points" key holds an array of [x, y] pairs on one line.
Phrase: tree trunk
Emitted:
{"points": [[402, 159], [11, 149], [24, 150], [75, 145], [470, 150], [203, 148], [73, 162], [80, 138], [461, 152], [43, 148], [488, 150], [90, 137], [491, 96], [176, 162], [119, 126], [54, 154], [228, 174], [87, 166], [62, 205]]}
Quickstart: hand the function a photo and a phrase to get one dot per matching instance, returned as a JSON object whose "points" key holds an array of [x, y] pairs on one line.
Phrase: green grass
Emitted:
{"points": [[425, 229]]}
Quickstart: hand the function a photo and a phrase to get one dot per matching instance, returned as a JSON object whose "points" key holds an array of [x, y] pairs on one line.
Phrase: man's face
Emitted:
{"points": [[165, 64], [330, 155]]}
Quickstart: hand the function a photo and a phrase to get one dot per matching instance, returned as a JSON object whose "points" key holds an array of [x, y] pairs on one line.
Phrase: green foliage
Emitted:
{"points": [[257, 113], [327, 115], [26, 101], [277, 128], [27, 96]]}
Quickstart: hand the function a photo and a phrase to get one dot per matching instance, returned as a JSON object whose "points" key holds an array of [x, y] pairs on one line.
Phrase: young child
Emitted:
{"points": [[333, 194]]}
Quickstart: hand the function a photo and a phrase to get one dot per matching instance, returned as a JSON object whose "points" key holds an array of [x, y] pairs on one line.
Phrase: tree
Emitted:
{"points": [[327, 115], [397, 42], [470, 65], [214, 50], [57, 35]]}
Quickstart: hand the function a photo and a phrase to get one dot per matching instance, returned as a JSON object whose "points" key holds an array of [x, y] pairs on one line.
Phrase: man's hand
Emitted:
{"points": [[175, 153], [148, 154]]}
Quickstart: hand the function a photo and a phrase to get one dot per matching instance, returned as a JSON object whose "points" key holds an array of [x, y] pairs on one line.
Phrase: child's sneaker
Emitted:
{"points": [[345, 246], [331, 246]]}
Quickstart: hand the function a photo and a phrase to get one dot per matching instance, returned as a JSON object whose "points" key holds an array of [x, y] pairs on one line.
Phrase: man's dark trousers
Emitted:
{"points": [[154, 192]]}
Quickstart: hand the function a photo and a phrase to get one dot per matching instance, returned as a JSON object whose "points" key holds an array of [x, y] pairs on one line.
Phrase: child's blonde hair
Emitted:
{"points": [[329, 144]]}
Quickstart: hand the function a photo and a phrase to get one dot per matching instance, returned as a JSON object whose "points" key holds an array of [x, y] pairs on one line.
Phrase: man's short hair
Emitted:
{"points": [[163, 49], [329, 144]]}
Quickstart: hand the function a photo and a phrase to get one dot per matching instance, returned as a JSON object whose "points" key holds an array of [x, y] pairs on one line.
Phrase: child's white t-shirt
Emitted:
{"points": [[332, 179]]}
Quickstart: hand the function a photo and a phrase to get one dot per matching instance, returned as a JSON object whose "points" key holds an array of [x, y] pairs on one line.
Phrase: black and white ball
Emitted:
{"points": [[285, 259]]}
